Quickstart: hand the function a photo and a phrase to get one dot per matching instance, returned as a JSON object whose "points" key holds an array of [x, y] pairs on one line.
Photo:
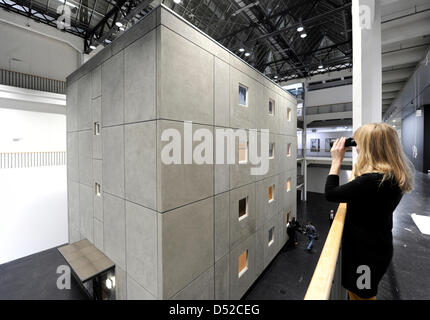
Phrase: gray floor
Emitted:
{"points": [[407, 278], [286, 278]]}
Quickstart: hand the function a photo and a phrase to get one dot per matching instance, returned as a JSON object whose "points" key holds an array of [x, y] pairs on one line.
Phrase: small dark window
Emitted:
{"points": [[272, 150], [243, 208], [271, 236], [271, 107], [243, 96]]}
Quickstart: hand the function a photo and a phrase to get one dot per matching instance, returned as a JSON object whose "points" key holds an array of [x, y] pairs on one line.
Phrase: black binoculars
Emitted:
{"points": [[350, 142]]}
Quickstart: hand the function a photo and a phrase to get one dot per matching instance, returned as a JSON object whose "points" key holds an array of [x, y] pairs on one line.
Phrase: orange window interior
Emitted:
{"points": [[243, 262], [288, 185]]}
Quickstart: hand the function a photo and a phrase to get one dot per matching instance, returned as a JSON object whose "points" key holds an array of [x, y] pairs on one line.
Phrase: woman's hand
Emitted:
{"points": [[337, 154], [338, 150]]}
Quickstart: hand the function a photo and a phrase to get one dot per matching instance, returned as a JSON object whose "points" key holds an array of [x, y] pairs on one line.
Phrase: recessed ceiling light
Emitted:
{"points": [[320, 66], [394, 121], [247, 54], [93, 47], [177, 1], [300, 29], [303, 35], [241, 50], [118, 24]]}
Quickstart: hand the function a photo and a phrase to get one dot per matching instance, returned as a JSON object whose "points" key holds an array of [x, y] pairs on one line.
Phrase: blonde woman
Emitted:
{"points": [[381, 176]]}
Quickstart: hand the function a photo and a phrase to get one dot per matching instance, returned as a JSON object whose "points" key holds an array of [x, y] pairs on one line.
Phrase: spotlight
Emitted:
{"points": [[118, 24], [110, 283], [320, 66], [93, 47], [303, 35], [300, 29], [247, 54], [241, 50], [177, 1]]}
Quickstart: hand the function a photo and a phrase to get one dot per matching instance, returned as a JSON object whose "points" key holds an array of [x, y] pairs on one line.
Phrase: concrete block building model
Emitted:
{"points": [[176, 231]]}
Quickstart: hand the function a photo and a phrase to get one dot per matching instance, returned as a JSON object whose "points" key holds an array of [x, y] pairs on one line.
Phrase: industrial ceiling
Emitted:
{"points": [[284, 39]]}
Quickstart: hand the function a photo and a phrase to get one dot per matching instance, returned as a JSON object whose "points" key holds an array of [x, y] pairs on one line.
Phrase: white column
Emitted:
{"points": [[304, 147], [367, 64]]}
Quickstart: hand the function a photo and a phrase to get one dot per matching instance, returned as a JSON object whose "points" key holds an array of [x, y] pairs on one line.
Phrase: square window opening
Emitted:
{"points": [[97, 128], [271, 193], [243, 208], [272, 151], [243, 96], [271, 236], [243, 263], [243, 152], [288, 114], [271, 107], [287, 218], [97, 188], [288, 186]]}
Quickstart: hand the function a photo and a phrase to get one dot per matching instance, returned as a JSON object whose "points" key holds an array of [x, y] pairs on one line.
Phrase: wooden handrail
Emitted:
{"points": [[322, 280]]}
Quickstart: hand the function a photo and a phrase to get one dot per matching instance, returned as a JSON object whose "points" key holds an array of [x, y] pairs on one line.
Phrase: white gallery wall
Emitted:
{"points": [[33, 201], [329, 96], [23, 50], [317, 177]]}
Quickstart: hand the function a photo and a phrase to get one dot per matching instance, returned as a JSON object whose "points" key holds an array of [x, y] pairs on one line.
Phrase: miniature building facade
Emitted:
{"points": [[185, 231]]}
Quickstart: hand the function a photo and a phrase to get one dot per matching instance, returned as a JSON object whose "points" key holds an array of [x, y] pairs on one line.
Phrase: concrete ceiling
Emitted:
{"points": [[405, 42]]}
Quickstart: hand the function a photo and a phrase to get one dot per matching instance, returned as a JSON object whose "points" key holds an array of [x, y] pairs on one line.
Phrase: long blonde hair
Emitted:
{"points": [[381, 151]]}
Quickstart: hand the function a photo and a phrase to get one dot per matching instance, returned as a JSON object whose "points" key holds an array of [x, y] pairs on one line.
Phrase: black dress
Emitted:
{"points": [[367, 237]]}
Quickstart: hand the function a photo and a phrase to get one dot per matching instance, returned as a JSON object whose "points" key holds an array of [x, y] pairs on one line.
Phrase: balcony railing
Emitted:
{"points": [[29, 81], [326, 280], [344, 107], [14, 160], [318, 154]]}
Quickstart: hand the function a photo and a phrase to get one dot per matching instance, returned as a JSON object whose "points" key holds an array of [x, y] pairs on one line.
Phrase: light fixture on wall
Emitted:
{"points": [[110, 283]]}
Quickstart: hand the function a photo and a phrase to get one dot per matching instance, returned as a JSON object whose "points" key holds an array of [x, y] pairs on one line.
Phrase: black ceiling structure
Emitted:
{"points": [[264, 32]]}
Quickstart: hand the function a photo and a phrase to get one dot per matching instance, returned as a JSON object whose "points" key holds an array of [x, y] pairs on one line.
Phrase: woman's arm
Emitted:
{"points": [[333, 191], [354, 190], [337, 154]]}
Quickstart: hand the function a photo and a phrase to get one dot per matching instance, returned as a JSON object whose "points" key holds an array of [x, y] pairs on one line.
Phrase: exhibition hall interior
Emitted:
{"points": [[179, 149]]}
